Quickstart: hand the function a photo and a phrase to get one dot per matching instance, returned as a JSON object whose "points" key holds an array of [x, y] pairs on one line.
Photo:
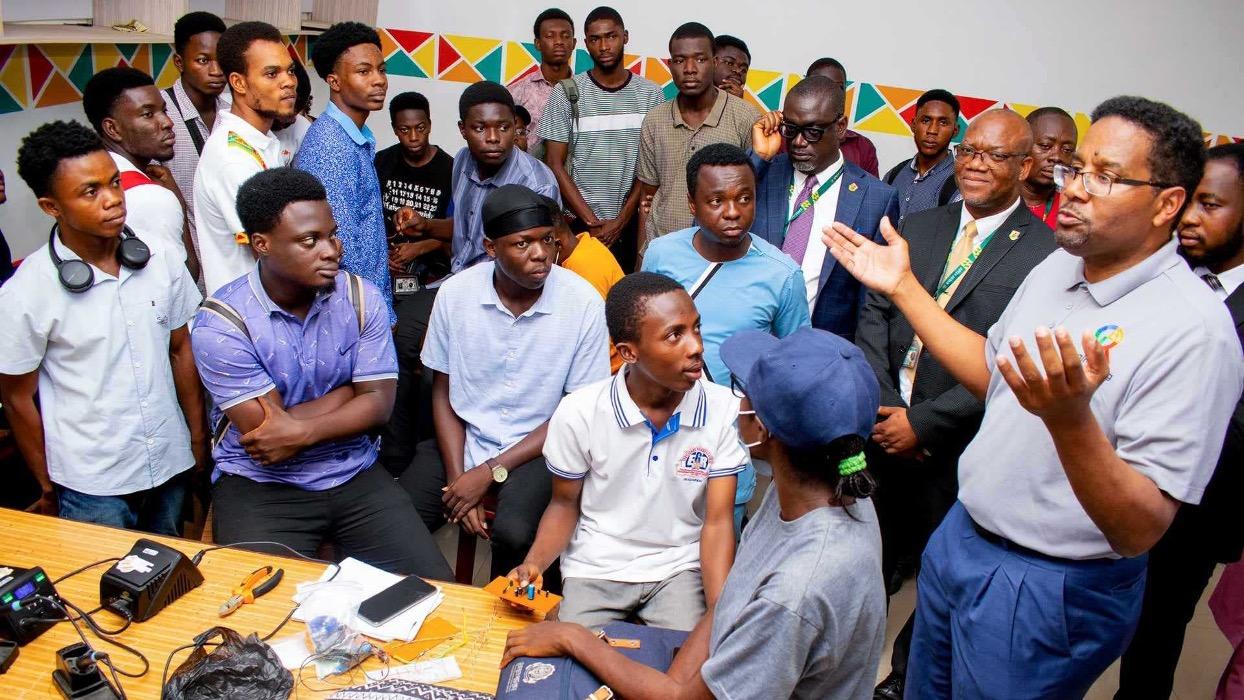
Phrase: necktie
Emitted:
{"points": [[1212, 280], [800, 230], [958, 253]]}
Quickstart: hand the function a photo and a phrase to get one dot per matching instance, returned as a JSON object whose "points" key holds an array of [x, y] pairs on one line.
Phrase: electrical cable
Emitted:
{"points": [[99, 656], [79, 570]]}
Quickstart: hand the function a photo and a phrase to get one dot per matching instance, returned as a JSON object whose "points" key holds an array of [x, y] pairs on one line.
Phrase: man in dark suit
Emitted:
{"points": [[1211, 238], [971, 256], [809, 187]]}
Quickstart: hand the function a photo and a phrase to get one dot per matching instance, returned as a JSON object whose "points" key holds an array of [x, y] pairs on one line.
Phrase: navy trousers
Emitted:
{"points": [[995, 620]]}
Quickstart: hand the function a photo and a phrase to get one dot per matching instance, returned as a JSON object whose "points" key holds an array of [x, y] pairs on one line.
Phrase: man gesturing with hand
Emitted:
{"points": [[1032, 584]]}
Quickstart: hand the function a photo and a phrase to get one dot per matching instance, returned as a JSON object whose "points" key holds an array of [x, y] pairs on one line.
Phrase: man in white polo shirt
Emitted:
{"points": [[1032, 585], [644, 468], [128, 113], [261, 78]]}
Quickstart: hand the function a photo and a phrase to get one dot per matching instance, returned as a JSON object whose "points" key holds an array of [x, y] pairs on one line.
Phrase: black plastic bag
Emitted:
{"points": [[236, 668]]}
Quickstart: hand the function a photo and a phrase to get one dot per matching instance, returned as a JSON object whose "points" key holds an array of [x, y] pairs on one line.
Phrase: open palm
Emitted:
{"points": [[878, 267]]}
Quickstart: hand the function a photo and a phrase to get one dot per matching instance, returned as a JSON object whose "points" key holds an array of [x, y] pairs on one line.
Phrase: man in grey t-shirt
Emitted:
{"points": [[802, 614]]}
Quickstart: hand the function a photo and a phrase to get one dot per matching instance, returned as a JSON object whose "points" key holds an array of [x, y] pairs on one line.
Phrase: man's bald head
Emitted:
{"points": [[819, 89], [989, 181]]}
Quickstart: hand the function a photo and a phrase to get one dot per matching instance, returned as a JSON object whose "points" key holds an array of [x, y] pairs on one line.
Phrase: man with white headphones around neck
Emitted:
{"points": [[96, 323]]}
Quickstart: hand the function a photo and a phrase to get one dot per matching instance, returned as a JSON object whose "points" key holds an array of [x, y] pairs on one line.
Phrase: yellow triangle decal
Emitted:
{"points": [[14, 75], [472, 48], [63, 56], [425, 58], [758, 80], [517, 61], [885, 121], [1021, 110]]}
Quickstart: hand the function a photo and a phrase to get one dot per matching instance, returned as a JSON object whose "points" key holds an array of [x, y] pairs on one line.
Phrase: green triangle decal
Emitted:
{"points": [[82, 70], [159, 55], [401, 64], [867, 101], [128, 51], [670, 90], [582, 61], [771, 97], [531, 49], [490, 66], [963, 129], [7, 103]]}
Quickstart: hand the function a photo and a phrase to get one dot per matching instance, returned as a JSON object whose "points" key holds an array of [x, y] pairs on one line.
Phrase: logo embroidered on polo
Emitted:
{"points": [[1109, 336], [695, 464]]}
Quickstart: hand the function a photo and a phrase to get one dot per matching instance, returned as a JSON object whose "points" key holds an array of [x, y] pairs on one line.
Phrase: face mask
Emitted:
{"points": [[758, 443]]}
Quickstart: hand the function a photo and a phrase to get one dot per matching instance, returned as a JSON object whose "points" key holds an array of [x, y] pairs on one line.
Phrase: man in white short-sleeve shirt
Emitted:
{"points": [[128, 113], [119, 420], [656, 438], [1032, 585], [261, 78]]}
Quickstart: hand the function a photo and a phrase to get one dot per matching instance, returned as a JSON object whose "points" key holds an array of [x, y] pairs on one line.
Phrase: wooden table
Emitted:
{"points": [[60, 546]]}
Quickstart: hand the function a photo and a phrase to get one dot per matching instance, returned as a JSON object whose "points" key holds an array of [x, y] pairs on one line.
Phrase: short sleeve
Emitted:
{"points": [[555, 119], [792, 312], [646, 169], [435, 353], [546, 183], [25, 338], [1172, 419], [230, 369], [376, 357], [591, 359], [184, 296], [565, 445], [763, 636]]}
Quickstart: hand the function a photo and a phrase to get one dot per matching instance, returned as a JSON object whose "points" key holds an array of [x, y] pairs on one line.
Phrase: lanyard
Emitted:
{"points": [[1048, 206], [807, 203], [963, 267]]}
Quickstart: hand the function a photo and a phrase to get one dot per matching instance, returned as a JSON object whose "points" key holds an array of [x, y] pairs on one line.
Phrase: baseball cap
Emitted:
{"points": [[809, 388]]}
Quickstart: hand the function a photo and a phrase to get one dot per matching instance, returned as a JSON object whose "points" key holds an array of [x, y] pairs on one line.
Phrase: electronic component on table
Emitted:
{"points": [[78, 677], [147, 580], [28, 604], [530, 597]]}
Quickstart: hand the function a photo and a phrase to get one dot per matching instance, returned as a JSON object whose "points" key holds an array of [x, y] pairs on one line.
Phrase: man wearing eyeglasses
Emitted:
{"points": [[1054, 138], [971, 256], [809, 187], [1032, 584]]}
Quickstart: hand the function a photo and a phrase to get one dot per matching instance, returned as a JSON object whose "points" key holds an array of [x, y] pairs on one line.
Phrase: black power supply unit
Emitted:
{"points": [[27, 607], [146, 580]]}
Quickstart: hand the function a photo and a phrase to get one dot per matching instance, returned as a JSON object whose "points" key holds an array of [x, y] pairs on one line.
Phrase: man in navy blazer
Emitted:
{"points": [[809, 187]]}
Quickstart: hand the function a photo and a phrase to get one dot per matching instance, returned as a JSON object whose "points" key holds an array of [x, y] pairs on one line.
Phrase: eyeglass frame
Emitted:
{"points": [[998, 157], [803, 129], [1110, 180]]}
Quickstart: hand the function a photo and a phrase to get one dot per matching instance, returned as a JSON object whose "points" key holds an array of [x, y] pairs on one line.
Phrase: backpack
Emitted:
{"points": [[354, 290], [571, 88]]}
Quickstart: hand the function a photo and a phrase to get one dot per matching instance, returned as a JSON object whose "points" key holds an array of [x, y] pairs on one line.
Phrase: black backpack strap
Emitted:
{"points": [[195, 136], [571, 88], [949, 188], [893, 172]]}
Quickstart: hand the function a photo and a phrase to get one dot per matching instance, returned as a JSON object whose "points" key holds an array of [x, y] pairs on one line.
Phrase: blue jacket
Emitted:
{"points": [[839, 296]]}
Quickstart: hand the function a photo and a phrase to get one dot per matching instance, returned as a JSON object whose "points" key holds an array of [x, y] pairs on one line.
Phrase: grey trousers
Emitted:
{"points": [[677, 603]]}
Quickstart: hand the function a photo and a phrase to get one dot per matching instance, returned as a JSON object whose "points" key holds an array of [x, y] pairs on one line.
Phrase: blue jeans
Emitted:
{"points": [[156, 510], [994, 620]]}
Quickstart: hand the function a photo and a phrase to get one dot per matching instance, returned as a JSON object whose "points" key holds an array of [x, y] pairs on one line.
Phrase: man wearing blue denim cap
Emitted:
{"points": [[802, 614]]}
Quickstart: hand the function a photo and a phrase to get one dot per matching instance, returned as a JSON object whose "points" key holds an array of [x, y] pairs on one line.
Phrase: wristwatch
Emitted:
{"points": [[499, 473]]}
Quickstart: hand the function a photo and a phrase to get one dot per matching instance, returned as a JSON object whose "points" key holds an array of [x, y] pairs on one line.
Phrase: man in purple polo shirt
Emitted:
{"points": [[299, 360]]}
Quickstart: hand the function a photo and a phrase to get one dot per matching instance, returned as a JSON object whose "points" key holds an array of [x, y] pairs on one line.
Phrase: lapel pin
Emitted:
{"points": [[852, 187], [1015, 235]]}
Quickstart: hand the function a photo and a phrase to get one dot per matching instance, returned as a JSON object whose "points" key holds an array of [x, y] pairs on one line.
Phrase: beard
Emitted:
{"points": [[1213, 258], [804, 167], [1073, 241]]}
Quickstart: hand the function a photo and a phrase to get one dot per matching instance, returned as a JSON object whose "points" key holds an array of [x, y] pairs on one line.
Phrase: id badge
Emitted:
{"points": [[405, 284], [909, 358]]}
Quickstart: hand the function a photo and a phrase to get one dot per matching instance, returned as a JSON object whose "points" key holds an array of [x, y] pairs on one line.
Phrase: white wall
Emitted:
{"points": [[1072, 54]]}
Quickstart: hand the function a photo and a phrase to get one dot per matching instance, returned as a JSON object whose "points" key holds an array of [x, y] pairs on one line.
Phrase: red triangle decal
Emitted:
{"points": [[40, 68], [409, 40], [638, 68], [969, 107], [446, 55], [908, 114]]}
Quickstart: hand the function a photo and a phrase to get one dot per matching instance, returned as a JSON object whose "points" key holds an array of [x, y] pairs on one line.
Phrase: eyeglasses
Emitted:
{"points": [[966, 153], [811, 132], [731, 63], [1096, 184]]}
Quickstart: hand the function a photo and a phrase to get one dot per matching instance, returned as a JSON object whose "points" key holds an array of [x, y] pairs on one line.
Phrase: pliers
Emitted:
{"points": [[261, 581]]}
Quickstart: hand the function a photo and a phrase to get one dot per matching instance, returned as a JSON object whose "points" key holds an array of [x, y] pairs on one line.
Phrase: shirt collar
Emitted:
{"points": [[544, 304], [537, 76], [694, 403], [987, 224], [714, 114], [232, 122], [939, 165], [271, 307], [1112, 289], [503, 173], [1229, 279], [359, 136]]}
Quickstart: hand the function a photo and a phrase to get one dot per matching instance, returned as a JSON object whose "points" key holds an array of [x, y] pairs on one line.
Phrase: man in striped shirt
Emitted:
{"points": [[600, 139]]}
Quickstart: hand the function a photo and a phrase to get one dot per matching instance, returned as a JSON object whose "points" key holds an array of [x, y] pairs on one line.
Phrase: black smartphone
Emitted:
{"points": [[395, 600]]}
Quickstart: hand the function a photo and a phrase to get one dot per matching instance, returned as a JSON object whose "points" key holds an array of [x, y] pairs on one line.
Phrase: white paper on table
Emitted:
{"points": [[291, 650], [368, 581], [434, 671]]}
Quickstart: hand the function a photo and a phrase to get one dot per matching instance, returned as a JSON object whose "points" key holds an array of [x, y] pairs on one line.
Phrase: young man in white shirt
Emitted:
{"points": [[96, 323], [128, 113], [261, 78], [653, 439]]}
